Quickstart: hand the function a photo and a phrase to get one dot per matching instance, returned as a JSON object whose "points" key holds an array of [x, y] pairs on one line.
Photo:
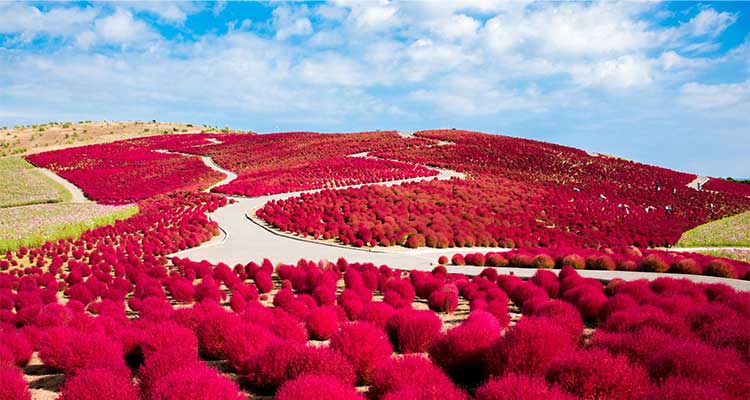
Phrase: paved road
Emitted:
{"points": [[698, 182], [75, 191], [248, 241]]}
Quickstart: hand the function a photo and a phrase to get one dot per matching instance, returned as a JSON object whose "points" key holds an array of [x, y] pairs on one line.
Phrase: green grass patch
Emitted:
{"points": [[737, 254], [33, 225], [731, 231], [22, 184]]}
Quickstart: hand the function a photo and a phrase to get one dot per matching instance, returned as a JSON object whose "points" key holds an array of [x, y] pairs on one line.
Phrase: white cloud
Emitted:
{"points": [[458, 26], [29, 21], [290, 22], [167, 11], [622, 72], [122, 28], [716, 96], [711, 23], [373, 17]]}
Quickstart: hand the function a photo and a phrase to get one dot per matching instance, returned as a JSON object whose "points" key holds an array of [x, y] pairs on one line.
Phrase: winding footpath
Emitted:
{"points": [[247, 238], [76, 193]]}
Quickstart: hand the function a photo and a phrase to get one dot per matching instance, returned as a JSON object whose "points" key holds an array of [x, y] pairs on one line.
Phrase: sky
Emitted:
{"points": [[665, 83]]}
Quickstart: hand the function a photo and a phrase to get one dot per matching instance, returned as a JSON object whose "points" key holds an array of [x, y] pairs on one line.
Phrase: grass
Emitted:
{"points": [[732, 231], [35, 224], [21, 184], [736, 254]]}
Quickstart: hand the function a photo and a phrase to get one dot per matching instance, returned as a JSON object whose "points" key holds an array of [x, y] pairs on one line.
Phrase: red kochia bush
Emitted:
{"points": [[212, 331], [322, 323], [528, 347], [519, 387], [12, 384], [412, 331], [70, 350], [317, 387], [98, 384], [196, 382], [160, 364], [412, 370], [701, 363], [685, 389], [597, 375], [263, 281], [459, 351], [364, 344], [18, 346]]}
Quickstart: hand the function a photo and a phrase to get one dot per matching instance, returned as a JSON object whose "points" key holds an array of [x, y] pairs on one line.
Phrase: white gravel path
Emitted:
{"points": [[247, 240], [75, 191], [698, 182]]}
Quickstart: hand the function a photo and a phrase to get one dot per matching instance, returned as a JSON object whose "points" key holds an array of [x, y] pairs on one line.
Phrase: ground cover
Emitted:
{"points": [[127, 171], [33, 225], [630, 259], [21, 184], [731, 231], [518, 193], [194, 330]]}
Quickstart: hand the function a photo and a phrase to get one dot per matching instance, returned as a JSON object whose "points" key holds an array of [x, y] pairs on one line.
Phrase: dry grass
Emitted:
{"points": [[731, 231], [20, 140], [22, 184]]}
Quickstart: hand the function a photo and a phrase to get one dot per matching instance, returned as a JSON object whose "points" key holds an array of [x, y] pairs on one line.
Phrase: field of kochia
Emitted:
{"points": [[114, 314]]}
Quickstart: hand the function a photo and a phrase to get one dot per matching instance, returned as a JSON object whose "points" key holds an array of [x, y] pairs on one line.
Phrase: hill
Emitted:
{"points": [[517, 192], [29, 139]]}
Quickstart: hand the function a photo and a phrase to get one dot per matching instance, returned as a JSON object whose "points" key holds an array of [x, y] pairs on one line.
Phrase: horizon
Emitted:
{"points": [[659, 83]]}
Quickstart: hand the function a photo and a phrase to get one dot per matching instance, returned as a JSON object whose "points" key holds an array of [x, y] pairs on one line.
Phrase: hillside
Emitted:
{"points": [[28, 139], [517, 192]]}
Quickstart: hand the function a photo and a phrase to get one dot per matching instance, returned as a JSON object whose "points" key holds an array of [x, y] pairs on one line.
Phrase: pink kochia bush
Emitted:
{"points": [[283, 361], [364, 344], [622, 259], [322, 323], [317, 387], [459, 351], [528, 347], [96, 384], [412, 331], [414, 371], [596, 374], [519, 387], [196, 382], [70, 350], [12, 384]]}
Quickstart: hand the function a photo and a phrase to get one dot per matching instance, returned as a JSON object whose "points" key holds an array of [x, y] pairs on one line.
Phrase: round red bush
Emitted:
{"points": [[653, 263], [70, 350], [322, 323], [519, 387], [684, 389], [364, 344], [18, 346], [263, 281], [317, 387], [720, 268], [597, 375], [701, 363], [195, 382], [212, 331], [412, 370], [412, 331], [459, 351], [12, 384], [97, 384], [528, 347]]}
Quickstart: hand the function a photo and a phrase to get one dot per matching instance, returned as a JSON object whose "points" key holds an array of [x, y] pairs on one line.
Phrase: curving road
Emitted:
{"points": [[76, 193], [250, 239]]}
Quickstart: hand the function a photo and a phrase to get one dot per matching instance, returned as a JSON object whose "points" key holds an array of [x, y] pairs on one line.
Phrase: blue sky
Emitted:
{"points": [[658, 82]]}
